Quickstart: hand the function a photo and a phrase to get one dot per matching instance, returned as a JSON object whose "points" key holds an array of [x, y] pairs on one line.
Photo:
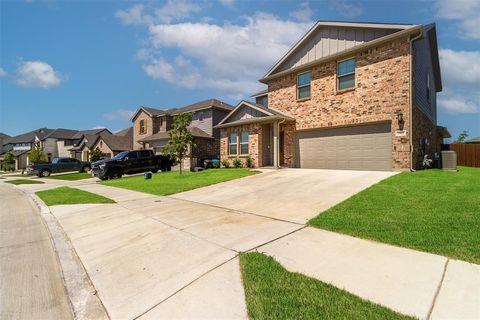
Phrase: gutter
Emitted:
{"points": [[420, 35], [345, 53]]}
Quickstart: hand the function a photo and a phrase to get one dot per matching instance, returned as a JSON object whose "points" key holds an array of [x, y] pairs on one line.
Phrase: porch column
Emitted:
{"points": [[275, 144]]}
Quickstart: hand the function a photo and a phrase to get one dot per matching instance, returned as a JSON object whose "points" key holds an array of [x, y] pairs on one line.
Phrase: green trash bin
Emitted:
{"points": [[147, 175]]}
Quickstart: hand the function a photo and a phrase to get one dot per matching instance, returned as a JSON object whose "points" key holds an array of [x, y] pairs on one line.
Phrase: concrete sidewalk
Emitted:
{"points": [[148, 256], [404, 280]]}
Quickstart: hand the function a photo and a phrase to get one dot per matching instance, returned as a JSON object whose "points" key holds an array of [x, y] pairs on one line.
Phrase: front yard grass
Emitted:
{"points": [[166, 183], [23, 181], [272, 292], [433, 210], [72, 176], [66, 195]]}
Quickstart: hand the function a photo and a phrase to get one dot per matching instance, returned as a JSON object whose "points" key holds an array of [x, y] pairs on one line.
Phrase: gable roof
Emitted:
{"points": [[205, 104], [399, 30], [474, 140], [267, 112], [119, 142], [3, 135], [97, 131], [264, 92], [30, 136]]}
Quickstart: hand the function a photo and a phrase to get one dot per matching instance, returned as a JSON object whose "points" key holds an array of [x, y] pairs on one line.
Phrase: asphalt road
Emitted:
{"points": [[31, 286]]}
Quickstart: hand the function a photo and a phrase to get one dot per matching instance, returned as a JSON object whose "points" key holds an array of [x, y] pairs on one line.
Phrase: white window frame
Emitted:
{"points": [[244, 143], [346, 74], [230, 143], [304, 85]]}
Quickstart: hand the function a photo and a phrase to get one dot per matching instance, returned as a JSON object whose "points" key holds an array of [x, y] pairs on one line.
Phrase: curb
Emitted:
{"points": [[82, 294]]}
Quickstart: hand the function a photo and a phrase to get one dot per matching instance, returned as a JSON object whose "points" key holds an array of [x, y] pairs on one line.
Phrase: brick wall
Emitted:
{"points": [[288, 147], [254, 142], [425, 138], [382, 90]]}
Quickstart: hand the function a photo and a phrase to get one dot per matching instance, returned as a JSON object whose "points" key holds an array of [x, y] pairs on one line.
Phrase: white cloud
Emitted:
{"points": [[303, 13], [227, 3], [134, 15], [466, 12], [37, 74], [458, 105], [346, 9], [461, 80], [229, 57], [3, 73], [460, 67], [170, 11], [120, 114]]}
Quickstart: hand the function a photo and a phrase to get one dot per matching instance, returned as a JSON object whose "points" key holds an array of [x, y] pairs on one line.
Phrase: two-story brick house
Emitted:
{"points": [[151, 127], [346, 96]]}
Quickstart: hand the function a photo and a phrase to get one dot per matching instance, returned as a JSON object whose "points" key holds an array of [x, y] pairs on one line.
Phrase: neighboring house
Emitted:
{"points": [[346, 96], [3, 141], [151, 128], [474, 140], [110, 144], [54, 142], [85, 142]]}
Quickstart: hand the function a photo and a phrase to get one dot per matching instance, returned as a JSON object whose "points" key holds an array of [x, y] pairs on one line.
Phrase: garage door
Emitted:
{"points": [[359, 148]]}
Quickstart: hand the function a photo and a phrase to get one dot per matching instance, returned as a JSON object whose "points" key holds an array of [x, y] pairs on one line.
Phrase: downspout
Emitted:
{"points": [[411, 98], [278, 141]]}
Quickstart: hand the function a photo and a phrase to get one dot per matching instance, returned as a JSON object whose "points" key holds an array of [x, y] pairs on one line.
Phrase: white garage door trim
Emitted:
{"points": [[363, 147]]}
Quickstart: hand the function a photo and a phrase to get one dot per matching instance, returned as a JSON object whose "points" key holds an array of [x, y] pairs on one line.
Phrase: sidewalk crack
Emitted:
{"points": [[429, 315]]}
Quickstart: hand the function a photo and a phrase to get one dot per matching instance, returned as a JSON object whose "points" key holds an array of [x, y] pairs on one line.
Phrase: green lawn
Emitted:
{"points": [[72, 176], [23, 181], [66, 195], [433, 210], [166, 183], [275, 293]]}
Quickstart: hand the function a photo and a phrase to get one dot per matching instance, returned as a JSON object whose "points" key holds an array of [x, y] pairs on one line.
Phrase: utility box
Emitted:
{"points": [[449, 160], [147, 175]]}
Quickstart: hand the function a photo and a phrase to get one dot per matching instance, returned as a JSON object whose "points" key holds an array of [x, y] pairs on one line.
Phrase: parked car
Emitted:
{"points": [[129, 162], [59, 165]]}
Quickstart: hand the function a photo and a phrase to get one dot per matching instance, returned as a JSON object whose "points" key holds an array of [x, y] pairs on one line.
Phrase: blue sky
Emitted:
{"points": [[86, 64]]}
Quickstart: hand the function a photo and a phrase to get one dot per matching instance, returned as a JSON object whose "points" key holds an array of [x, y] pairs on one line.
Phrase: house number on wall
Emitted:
{"points": [[400, 133]]}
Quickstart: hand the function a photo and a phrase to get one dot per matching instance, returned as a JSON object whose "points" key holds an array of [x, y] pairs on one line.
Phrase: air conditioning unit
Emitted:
{"points": [[449, 160]]}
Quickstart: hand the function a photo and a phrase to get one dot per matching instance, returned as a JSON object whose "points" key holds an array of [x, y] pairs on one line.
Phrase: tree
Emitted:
{"points": [[96, 155], [180, 138], [462, 136], [37, 155], [8, 161]]}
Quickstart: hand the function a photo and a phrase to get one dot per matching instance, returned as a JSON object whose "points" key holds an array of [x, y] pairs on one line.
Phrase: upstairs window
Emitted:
{"points": [[244, 143], [142, 127], [232, 143], [428, 87], [263, 100], [346, 74], [200, 116], [303, 85]]}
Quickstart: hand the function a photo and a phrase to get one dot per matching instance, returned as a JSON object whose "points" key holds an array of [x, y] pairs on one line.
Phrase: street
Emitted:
{"points": [[31, 285]]}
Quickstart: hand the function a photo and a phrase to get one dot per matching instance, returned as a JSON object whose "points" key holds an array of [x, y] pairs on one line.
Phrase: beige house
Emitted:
{"points": [[346, 96], [110, 144], [151, 128]]}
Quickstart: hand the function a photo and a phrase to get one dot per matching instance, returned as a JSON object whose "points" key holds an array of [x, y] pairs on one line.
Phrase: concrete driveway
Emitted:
{"points": [[294, 195]]}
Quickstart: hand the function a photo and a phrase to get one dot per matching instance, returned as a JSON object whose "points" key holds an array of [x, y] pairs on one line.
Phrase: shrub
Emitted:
{"points": [[37, 155], [237, 163], [249, 162], [225, 163]]}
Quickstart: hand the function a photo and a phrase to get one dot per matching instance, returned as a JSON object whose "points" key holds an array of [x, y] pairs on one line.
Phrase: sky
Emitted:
{"points": [[90, 64]]}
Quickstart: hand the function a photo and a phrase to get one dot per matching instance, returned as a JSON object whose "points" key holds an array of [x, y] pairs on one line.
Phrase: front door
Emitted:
{"points": [[267, 145]]}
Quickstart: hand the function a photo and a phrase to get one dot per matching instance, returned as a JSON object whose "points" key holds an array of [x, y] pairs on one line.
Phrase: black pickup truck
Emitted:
{"points": [[58, 165], [128, 162]]}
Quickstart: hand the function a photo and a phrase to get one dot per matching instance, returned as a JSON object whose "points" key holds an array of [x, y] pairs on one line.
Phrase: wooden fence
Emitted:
{"points": [[468, 154]]}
